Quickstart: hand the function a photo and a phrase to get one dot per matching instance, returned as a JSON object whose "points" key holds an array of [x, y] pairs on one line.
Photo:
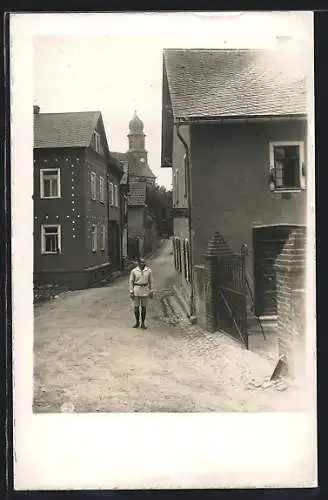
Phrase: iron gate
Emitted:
{"points": [[231, 295]]}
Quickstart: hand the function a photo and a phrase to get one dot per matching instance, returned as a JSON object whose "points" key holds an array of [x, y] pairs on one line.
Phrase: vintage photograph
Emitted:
{"points": [[171, 190]]}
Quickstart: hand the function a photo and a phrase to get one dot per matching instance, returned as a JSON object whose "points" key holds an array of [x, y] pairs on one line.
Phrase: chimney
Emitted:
{"points": [[36, 109]]}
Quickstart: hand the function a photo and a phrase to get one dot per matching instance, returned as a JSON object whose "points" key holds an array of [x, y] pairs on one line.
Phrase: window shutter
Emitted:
{"points": [[185, 258], [110, 194], [303, 176], [179, 256], [116, 196], [174, 252], [188, 260]]}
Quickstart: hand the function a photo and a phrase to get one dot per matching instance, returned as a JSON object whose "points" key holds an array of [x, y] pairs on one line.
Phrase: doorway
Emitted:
{"points": [[268, 242]]}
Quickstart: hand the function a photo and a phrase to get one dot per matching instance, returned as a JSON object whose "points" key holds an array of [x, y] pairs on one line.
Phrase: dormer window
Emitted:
{"points": [[96, 142]]}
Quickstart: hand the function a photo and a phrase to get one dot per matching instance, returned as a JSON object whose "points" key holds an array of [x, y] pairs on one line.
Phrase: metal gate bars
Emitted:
{"points": [[231, 295]]}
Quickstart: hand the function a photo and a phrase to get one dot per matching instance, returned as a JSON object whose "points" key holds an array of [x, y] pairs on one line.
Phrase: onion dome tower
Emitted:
{"points": [[136, 139]]}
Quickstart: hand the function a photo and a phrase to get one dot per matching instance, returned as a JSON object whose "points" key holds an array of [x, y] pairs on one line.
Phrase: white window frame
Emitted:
{"points": [[175, 189], [111, 194], [93, 183], [101, 189], [43, 240], [300, 144], [42, 173], [94, 238], [102, 238]]}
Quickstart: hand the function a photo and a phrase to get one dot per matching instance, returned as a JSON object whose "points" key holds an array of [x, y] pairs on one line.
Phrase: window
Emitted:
{"points": [[116, 196], [101, 190], [97, 142], [50, 239], [176, 185], [111, 194], [179, 255], [186, 260], [94, 238], [174, 252], [176, 188], [93, 185], [287, 171], [50, 183], [102, 238]]}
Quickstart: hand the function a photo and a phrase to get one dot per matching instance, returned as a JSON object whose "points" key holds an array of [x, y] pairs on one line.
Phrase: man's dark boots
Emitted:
{"points": [[136, 314], [143, 317]]}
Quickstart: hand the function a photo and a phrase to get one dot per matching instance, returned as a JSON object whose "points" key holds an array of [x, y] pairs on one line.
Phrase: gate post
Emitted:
{"points": [[216, 247], [210, 293], [243, 254], [290, 268]]}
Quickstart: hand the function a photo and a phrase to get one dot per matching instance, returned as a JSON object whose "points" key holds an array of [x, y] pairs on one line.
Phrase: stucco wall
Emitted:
{"points": [[230, 192]]}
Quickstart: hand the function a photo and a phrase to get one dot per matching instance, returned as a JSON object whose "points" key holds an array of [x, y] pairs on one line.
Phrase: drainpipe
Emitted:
{"points": [[188, 168]]}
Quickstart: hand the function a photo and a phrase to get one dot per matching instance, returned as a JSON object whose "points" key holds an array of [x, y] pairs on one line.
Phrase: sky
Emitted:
{"points": [[114, 64]]}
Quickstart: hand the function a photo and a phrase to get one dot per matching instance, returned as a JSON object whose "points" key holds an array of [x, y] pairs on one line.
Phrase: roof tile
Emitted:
{"points": [[236, 82], [137, 193], [60, 130], [136, 167]]}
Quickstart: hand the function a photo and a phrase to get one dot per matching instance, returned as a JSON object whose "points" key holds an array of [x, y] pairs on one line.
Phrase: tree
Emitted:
{"points": [[159, 202]]}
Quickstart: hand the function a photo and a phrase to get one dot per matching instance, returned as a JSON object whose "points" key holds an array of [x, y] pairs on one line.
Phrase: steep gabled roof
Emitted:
{"points": [[120, 156], [236, 82], [137, 193], [62, 130], [141, 169], [136, 167]]}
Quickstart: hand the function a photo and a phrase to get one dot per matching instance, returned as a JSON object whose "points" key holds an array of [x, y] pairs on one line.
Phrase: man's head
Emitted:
{"points": [[142, 263]]}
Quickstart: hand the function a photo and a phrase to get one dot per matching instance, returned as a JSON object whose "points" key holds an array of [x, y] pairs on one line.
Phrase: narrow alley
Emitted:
{"points": [[88, 358]]}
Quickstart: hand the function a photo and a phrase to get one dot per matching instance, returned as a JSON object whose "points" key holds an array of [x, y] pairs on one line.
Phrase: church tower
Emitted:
{"points": [[136, 138]]}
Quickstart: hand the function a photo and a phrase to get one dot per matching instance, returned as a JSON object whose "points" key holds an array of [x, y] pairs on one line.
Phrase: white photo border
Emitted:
{"points": [[136, 451]]}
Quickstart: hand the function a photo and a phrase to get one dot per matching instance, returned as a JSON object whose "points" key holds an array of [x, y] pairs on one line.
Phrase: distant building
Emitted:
{"points": [[141, 226], [242, 120], [78, 203]]}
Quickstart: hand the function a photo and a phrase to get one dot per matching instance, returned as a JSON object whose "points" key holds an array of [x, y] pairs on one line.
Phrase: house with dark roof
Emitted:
{"points": [[78, 200], [136, 157], [234, 133], [141, 228]]}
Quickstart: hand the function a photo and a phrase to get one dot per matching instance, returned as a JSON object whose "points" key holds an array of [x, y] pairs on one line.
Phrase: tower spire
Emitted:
{"points": [[136, 137]]}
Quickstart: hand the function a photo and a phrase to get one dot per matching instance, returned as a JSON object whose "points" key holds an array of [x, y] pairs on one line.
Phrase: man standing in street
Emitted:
{"points": [[141, 287]]}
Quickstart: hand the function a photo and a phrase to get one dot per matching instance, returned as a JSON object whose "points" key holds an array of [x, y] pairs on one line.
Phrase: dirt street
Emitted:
{"points": [[88, 358]]}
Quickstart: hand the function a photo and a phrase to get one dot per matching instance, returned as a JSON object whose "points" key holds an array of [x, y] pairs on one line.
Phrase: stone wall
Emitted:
{"points": [[290, 269]]}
